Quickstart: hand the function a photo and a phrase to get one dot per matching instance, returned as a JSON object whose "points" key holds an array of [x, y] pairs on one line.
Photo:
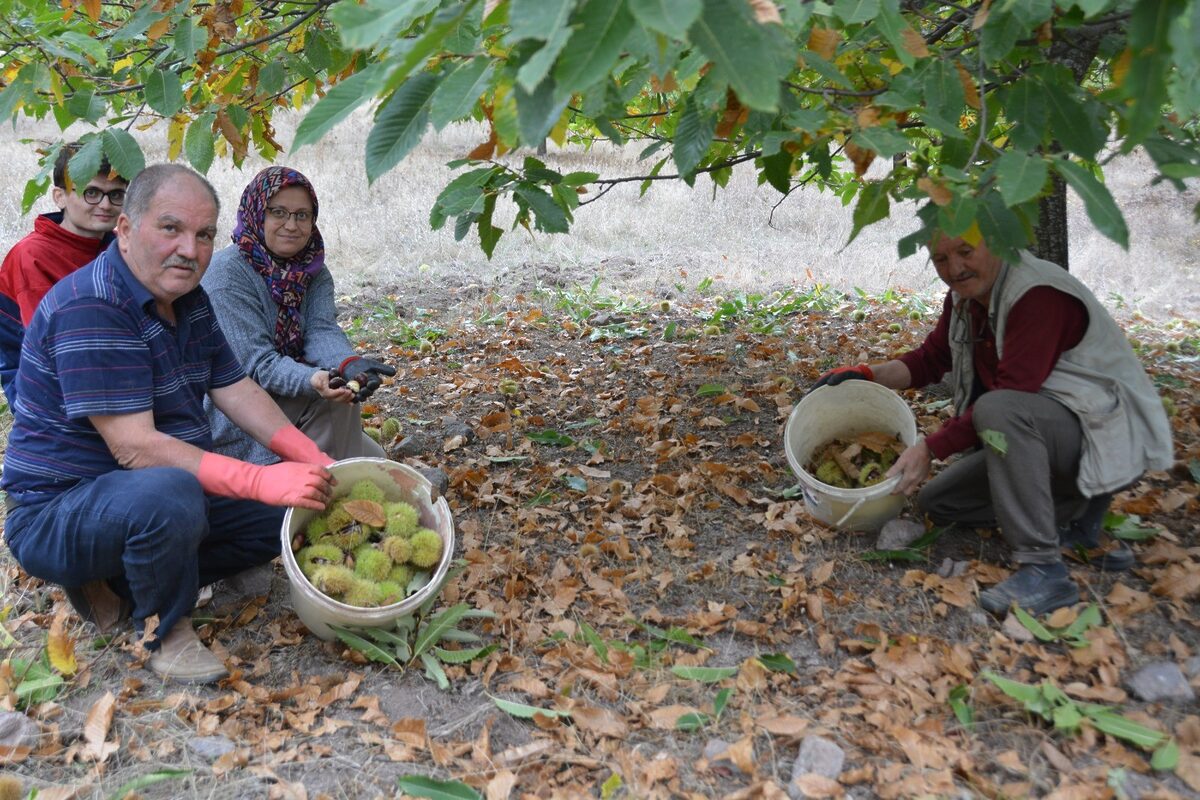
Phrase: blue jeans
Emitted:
{"points": [[152, 533]]}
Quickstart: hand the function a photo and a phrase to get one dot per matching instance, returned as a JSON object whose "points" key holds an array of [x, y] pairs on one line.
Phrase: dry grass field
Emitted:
{"points": [[379, 235]]}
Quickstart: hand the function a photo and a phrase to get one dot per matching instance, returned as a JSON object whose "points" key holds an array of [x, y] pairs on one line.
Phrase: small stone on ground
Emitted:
{"points": [[210, 747], [1162, 680], [17, 731], [898, 534]]}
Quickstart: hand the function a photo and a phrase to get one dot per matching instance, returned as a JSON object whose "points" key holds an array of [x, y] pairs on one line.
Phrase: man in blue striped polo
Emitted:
{"points": [[112, 489]]}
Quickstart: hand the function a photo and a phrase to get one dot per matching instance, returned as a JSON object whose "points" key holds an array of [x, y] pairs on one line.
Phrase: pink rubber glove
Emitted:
{"points": [[287, 483], [290, 444]]}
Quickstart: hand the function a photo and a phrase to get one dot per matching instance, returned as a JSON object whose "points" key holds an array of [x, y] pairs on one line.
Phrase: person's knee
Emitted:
{"points": [[994, 409], [170, 500]]}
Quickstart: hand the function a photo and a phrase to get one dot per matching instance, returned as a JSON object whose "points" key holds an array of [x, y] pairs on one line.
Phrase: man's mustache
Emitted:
{"points": [[180, 261]]}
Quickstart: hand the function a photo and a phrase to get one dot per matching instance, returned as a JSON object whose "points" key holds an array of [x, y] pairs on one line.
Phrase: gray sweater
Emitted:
{"points": [[247, 315]]}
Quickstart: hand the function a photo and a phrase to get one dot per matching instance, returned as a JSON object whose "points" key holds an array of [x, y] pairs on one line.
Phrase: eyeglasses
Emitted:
{"points": [[93, 195], [281, 214]]}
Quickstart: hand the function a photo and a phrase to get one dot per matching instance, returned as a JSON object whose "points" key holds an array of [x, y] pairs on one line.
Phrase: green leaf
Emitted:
{"points": [[1166, 756], [893, 555], [958, 704], [123, 152], [186, 40], [1033, 626], [1101, 209], [1030, 696], [943, 93], [1090, 617], [433, 789], [711, 390], [367, 648], [1129, 528], [1025, 104], [594, 641], [892, 26], [575, 482], [459, 92], [704, 674], [548, 215], [34, 189], [437, 625], [1114, 724], [400, 125], [1067, 718], [537, 19], [721, 700], [85, 163], [198, 142], [465, 655], [164, 92], [692, 721], [1002, 229], [84, 104], [995, 441], [550, 437], [601, 28], [538, 111], [364, 26], [752, 58], [855, 11], [1071, 122], [434, 671], [693, 135], [873, 205], [524, 711], [1020, 177], [669, 17], [338, 103], [143, 781]]}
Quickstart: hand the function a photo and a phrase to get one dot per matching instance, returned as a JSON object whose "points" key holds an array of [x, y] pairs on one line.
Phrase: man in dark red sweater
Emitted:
{"points": [[1034, 357], [60, 243]]}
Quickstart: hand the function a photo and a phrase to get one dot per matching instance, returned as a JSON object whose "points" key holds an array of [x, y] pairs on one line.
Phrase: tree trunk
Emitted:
{"points": [[1051, 241], [1077, 50]]}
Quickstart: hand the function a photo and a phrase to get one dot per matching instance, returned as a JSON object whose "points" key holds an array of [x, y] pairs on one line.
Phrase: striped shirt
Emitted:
{"points": [[96, 346]]}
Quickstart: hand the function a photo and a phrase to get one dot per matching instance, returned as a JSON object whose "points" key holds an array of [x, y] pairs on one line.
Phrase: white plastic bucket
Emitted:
{"points": [[399, 482], [840, 412]]}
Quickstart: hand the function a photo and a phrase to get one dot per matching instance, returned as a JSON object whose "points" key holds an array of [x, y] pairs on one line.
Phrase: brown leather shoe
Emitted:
{"points": [[97, 603], [182, 657]]}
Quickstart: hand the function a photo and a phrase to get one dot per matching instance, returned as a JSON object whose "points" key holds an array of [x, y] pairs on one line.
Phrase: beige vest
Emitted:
{"points": [[1125, 429]]}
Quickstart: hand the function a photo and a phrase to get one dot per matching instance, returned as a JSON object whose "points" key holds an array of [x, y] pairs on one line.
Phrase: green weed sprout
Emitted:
{"points": [[426, 548]]}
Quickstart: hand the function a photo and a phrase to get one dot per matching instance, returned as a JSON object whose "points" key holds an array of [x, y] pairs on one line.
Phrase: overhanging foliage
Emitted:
{"points": [[978, 106]]}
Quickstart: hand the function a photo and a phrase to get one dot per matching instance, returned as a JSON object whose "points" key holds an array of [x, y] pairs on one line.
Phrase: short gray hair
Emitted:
{"points": [[145, 186]]}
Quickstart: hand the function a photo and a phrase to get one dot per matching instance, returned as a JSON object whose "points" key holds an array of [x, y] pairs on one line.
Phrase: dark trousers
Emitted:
{"points": [[1029, 490], [152, 532]]}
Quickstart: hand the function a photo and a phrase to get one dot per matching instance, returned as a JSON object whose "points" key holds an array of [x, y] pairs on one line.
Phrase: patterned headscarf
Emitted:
{"points": [[287, 279]]}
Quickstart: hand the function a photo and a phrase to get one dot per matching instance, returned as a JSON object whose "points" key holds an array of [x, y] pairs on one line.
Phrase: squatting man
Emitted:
{"points": [[113, 490], [1032, 355]]}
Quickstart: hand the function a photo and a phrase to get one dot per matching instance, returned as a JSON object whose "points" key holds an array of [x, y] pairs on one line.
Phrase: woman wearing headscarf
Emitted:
{"points": [[273, 297]]}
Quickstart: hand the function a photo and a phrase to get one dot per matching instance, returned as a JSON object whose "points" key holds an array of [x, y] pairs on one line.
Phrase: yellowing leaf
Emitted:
{"points": [[124, 63], [824, 42], [157, 29], [981, 16], [368, 512], [970, 93], [1120, 67], [96, 726], [868, 117], [175, 133], [93, 9], [938, 193], [972, 236], [60, 647], [914, 43]]}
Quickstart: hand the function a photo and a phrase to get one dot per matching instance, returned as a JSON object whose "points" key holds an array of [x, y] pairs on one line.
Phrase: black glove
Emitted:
{"points": [[836, 376], [361, 375]]}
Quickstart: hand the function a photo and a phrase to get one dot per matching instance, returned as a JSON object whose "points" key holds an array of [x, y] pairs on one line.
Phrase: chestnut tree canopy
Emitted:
{"points": [[981, 111]]}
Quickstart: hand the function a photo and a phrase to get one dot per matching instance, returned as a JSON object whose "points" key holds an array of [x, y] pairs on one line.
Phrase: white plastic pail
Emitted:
{"points": [[399, 482], [839, 412]]}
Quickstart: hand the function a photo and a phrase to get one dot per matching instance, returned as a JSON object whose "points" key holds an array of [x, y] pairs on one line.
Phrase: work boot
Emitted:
{"points": [[1081, 538], [98, 604], [1037, 588], [181, 656]]}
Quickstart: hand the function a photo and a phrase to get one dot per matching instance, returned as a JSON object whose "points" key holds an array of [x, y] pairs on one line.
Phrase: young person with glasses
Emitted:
{"points": [[61, 242], [274, 299], [1033, 355]]}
